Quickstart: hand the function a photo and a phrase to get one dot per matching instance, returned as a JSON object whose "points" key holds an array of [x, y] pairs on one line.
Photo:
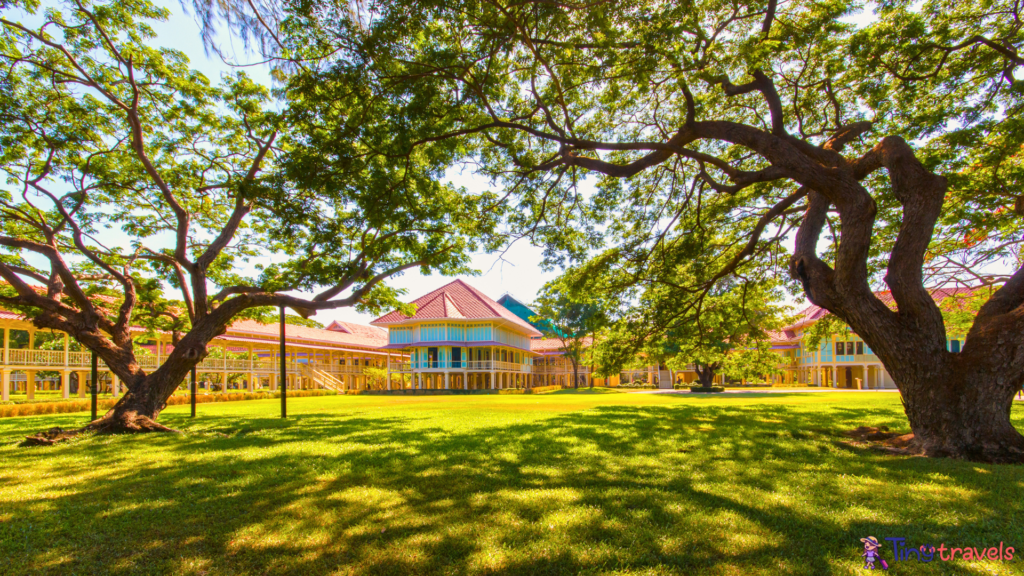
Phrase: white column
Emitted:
{"points": [[7, 345], [114, 384], [5, 391], [65, 379], [493, 377], [387, 371]]}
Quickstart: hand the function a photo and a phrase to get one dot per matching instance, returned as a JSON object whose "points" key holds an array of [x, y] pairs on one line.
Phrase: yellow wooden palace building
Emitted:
{"points": [[458, 338], [246, 357], [843, 360]]}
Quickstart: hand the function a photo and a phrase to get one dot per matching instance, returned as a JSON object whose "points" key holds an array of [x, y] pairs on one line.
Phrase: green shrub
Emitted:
{"points": [[37, 408], [710, 389]]}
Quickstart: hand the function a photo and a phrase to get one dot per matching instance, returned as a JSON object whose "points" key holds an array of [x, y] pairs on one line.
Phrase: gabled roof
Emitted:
{"points": [[549, 345], [515, 306], [457, 301], [814, 313], [338, 333], [355, 334], [358, 330], [782, 336]]}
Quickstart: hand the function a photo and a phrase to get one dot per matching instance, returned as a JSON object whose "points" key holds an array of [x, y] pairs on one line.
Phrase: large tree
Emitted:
{"points": [[891, 138], [572, 319], [129, 175], [727, 331]]}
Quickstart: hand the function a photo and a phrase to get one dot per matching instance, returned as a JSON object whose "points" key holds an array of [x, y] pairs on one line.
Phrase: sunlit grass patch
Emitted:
{"points": [[601, 483]]}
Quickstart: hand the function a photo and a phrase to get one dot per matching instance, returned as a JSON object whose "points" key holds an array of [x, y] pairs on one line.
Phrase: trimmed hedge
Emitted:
{"points": [[703, 389], [434, 391], [178, 399]]}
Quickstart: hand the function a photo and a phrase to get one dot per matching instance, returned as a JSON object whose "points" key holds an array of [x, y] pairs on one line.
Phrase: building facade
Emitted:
{"points": [[842, 360], [246, 357], [458, 338]]}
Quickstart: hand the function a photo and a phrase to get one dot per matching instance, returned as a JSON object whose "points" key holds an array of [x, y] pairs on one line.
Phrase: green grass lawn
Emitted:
{"points": [[560, 483]]}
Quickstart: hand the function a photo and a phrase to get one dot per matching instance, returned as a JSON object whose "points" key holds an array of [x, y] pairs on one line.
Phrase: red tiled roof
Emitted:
{"points": [[357, 334], [814, 312], [357, 329], [779, 336], [460, 301], [8, 315], [553, 344], [343, 333]]}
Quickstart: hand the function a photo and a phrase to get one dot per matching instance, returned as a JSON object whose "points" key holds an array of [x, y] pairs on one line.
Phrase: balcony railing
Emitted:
{"points": [[80, 359], [857, 358], [54, 359], [36, 357], [468, 365], [559, 369]]}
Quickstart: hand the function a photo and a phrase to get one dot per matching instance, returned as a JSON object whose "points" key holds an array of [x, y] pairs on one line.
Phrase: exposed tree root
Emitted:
{"points": [[881, 440], [109, 424], [870, 433], [135, 424], [51, 437]]}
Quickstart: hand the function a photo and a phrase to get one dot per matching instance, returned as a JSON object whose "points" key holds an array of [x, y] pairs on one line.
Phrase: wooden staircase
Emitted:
{"points": [[322, 379]]}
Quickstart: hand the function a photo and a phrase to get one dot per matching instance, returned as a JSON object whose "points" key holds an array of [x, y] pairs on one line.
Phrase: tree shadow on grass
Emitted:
{"points": [[757, 489]]}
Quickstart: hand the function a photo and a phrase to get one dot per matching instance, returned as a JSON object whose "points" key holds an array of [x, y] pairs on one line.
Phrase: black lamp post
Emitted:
{"points": [[192, 386], [284, 375], [95, 384]]}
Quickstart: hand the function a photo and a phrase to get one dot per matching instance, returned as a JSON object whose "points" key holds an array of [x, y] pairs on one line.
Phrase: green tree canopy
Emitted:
{"points": [[572, 319], [892, 144], [138, 191]]}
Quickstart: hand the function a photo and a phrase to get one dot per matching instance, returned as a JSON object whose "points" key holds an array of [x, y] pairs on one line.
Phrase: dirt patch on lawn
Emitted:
{"points": [[880, 438]]}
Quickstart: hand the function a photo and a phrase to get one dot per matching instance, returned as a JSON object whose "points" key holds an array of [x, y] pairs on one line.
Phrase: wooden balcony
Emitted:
{"points": [[24, 359], [466, 365], [560, 369], [35, 358]]}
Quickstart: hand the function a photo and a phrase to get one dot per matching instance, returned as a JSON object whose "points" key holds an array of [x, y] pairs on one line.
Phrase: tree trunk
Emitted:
{"points": [[970, 425], [575, 376], [705, 375], [958, 404], [139, 407], [131, 414]]}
